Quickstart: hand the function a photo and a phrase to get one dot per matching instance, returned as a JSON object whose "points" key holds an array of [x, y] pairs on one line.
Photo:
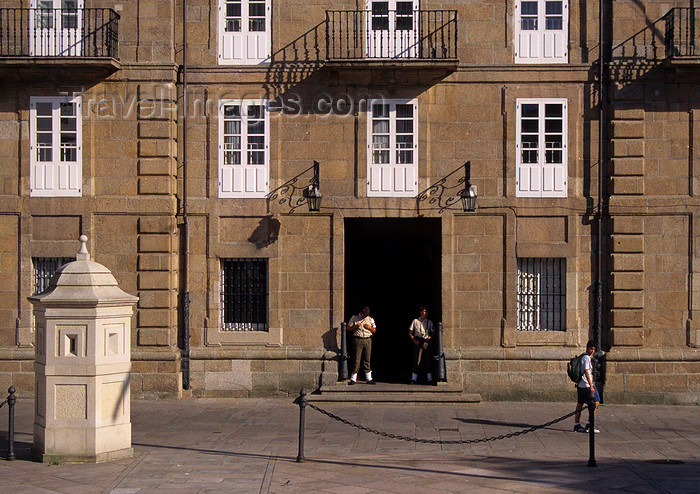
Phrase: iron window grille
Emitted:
{"points": [[244, 295], [541, 294], [44, 269]]}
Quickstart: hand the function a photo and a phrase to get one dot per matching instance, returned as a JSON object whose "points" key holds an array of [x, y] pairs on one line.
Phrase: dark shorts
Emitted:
{"points": [[584, 395]]}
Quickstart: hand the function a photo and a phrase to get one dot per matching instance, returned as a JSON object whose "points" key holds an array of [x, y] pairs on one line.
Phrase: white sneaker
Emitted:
{"points": [[588, 429]]}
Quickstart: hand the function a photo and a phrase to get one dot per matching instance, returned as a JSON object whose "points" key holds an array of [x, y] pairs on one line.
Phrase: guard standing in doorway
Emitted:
{"points": [[362, 327], [421, 331]]}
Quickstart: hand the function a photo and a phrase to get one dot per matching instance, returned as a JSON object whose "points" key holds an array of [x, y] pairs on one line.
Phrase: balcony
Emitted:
{"points": [[392, 38], [681, 37], [34, 41]]}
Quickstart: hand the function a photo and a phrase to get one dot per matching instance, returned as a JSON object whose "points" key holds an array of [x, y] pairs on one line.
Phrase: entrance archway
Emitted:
{"points": [[394, 265]]}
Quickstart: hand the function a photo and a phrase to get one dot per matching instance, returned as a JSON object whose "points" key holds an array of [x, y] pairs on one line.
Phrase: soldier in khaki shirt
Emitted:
{"points": [[421, 331], [362, 327]]}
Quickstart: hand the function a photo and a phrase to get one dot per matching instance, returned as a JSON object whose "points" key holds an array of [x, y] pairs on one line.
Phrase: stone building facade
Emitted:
{"points": [[180, 137]]}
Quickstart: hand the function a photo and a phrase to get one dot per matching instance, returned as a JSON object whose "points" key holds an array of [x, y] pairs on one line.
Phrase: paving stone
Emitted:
{"points": [[250, 445]]}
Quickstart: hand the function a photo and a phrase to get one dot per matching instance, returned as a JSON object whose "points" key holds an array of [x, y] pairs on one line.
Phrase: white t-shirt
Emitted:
{"points": [[585, 364]]}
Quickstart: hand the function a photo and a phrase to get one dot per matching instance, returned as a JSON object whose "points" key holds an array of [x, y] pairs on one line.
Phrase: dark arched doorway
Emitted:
{"points": [[394, 265]]}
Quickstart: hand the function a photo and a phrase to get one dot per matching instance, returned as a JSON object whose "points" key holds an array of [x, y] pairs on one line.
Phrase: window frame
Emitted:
{"points": [[245, 46], [67, 175], [393, 31], [544, 42], [228, 293], [408, 185], [549, 172], [56, 30], [247, 184], [549, 301]]}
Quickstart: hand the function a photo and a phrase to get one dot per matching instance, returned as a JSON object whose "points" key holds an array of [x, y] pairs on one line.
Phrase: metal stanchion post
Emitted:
{"points": [[591, 432], [301, 401], [11, 429], [439, 357], [343, 362]]}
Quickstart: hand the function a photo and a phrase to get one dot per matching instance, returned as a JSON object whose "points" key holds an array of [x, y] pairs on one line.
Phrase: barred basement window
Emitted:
{"points": [[44, 269], [244, 295], [541, 297]]}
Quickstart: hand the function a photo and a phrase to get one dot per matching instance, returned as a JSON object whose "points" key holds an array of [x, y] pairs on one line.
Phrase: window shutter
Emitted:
{"points": [[395, 174], [55, 149], [66, 177], [230, 48], [252, 180], [541, 168], [380, 179], [529, 47], [555, 41], [258, 42], [527, 41], [528, 180], [405, 180], [246, 174], [554, 175], [391, 28], [541, 37], [226, 185], [528, 176], [553, 46], [245, 45], [230, 42], [554, 180], [54, 32]]}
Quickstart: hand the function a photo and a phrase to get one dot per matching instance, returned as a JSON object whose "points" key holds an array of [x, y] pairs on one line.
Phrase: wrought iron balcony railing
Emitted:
{"points": [[391, 34], [89, 33], [681, 37]]}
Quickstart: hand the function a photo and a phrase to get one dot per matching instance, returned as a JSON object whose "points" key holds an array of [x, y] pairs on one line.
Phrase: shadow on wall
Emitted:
{"points": [[330, 340]]}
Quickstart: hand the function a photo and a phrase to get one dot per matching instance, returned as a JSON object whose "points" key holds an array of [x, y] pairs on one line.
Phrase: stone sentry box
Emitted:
{"points": [[82, 365]]}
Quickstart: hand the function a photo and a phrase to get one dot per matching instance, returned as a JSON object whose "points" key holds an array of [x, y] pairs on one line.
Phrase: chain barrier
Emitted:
{"points": [[3, 403], [439, 441]]}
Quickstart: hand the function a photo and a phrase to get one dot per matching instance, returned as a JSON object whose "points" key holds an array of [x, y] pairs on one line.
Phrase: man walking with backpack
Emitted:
{"points": [[586, 388]]}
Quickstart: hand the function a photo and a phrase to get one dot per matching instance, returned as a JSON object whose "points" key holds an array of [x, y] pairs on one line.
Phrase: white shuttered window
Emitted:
{"points": [[244, 149], [55, 146], [392, 148], [541, 148], [55, 28], [244, 32], [541, 31], [392, 28]]}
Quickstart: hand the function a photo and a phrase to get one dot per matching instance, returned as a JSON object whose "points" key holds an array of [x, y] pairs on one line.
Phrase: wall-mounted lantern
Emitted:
{"points": [[468, 194], [313, 193]]}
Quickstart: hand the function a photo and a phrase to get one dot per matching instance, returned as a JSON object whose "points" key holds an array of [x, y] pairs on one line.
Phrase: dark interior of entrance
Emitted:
{"points": [[394, 266]]}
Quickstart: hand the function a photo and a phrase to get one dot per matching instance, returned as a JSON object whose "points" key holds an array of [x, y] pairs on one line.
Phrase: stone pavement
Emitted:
{"points": [[250, 446]]}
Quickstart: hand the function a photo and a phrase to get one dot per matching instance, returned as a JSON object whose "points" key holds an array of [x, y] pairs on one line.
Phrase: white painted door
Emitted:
{"points": [[243, 149], [56, 146], [392, 149], [541, 148], [541, 31], [244, 31], [392, 28], [55, 28]]}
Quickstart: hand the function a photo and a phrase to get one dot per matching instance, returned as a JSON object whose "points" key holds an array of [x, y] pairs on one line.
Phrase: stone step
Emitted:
{"points": [[393, 393]]}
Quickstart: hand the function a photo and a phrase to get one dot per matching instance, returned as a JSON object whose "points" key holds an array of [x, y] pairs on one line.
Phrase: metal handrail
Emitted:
{"points": [[681, 34], [74, 33], [391, 34]]}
